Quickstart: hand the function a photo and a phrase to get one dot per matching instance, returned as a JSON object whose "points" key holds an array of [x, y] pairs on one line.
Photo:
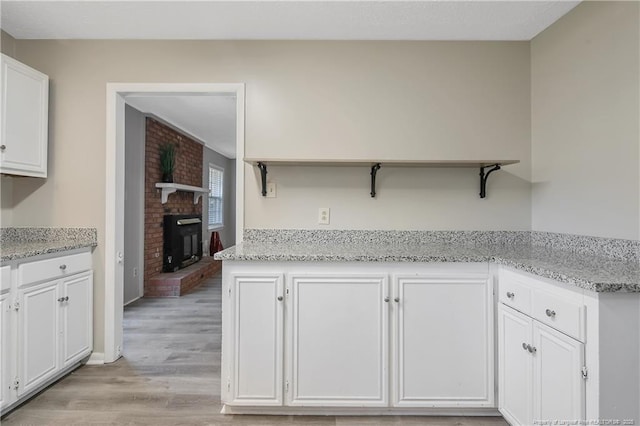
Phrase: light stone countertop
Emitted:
{"points": [[587, 271], [22, 243]]}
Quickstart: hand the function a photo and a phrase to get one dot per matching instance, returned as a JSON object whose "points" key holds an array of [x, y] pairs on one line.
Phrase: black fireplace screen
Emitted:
{"points": [[182, 241]]}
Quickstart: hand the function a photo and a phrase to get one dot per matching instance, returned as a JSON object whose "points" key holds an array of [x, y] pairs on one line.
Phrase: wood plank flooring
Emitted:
{"points": [[170, 375]]}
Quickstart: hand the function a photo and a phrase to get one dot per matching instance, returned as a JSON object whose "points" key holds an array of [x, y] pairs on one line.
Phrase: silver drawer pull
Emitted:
{"points": [[66, 299], [3, 147], [397, 300], [63, 267], [524, 346], [510, 295], [280, 298], [532, 349], [61, 299], [386, 299], [550, 313]]}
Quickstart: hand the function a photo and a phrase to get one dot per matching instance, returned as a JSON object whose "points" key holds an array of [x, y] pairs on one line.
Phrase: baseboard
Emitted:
{"points": [[360, 411], [133, 300], [96, 358]]}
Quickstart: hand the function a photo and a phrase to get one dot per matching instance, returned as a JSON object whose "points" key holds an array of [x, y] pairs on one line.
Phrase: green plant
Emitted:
{"points": [[168, 158]]}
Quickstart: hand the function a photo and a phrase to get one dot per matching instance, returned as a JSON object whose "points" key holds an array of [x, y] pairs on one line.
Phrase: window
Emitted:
{"points": [[215, 196]]}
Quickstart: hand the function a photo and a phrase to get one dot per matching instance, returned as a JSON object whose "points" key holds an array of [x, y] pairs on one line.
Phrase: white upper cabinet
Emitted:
{"points": [[23, 132]]}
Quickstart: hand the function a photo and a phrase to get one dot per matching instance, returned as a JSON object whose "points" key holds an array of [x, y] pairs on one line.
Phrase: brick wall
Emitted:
{"points": [[188, 171]]}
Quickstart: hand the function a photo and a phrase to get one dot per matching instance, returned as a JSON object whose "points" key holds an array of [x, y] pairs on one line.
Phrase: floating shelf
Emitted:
{"points": [[170, 188], [376, 165]]}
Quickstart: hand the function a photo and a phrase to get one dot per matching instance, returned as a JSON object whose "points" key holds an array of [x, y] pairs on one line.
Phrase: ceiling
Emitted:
{"points": [[281, 19], [209, 118], [212, 118]]}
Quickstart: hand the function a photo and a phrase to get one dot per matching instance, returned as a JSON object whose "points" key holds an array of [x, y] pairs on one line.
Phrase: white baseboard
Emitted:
{"points": [[96, 358], [360, 411]]}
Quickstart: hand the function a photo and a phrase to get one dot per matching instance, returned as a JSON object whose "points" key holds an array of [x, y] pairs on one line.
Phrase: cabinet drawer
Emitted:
{"points": [[5, 278], [560, 313], [56, 267], [515, 293]]}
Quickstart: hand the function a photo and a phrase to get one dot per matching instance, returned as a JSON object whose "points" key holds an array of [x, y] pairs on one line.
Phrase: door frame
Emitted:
{"points": [[114, 192]]}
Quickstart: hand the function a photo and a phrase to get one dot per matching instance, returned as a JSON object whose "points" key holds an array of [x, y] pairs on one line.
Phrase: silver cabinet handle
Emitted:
{"points": [[510, 295], [532, 349], [280, 298], [525, 346], [63, 267], [386, 299], [3, 147], [61, 299], [66, 299], [550, 313], [397, 299]]}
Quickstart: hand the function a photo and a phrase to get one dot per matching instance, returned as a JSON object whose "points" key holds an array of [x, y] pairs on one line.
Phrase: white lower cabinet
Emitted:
{"points": [[76, 318], [384, 339], [443, 347], [338, 340], [558, 385], [6, 354], [541, 372], [38, 334], [46, 323], [255, 376], [515, 372]]}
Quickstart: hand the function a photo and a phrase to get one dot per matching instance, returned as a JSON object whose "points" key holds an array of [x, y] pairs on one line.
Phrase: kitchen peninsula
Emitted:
{"points": [[384, 322]]}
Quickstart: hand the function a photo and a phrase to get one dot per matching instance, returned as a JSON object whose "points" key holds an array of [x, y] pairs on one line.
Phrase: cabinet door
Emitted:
{"points": [[6, 350], [38, 335], [515, 377], [443, 341], [77, 318], [338, 340], [23, 142], [558, 386], [257, 340]]}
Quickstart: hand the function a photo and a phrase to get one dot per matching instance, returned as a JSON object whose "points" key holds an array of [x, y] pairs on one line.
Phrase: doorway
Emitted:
{"points": [[117, 94]]}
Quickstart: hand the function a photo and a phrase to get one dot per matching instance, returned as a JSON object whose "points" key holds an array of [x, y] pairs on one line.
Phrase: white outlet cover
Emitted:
{"points": [[271, 190], [324, 215]]}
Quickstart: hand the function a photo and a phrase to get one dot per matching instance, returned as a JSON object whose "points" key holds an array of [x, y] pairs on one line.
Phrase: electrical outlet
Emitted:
{"points": [[135, 272], [271, 190], [324, 215]]}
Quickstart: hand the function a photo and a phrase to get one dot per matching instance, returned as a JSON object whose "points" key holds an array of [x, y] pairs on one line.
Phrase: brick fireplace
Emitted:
{"points": [[188, 171]]}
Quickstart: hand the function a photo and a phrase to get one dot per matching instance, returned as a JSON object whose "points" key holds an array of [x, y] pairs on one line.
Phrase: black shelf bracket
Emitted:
{"points": [[263, 176], [483, 179], [374, 172]]}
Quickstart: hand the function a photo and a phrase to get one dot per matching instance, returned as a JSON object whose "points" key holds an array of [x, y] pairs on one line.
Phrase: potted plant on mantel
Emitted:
{"points": [[167, 161]]}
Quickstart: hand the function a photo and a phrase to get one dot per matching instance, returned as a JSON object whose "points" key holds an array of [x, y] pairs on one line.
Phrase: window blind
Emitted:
{"points": [[215, 196]]}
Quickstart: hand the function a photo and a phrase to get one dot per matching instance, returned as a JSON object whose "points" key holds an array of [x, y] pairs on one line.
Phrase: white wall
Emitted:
{"points": [[134, 203], [585, 98]]}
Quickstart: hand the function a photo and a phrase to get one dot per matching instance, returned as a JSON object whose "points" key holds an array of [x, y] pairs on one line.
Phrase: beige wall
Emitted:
{"points": [[7, 44], [585, 122], [446, 100]]}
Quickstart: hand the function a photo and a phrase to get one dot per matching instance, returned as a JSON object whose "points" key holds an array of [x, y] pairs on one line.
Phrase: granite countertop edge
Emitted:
{"points": [[23, 251], [557, 272]]}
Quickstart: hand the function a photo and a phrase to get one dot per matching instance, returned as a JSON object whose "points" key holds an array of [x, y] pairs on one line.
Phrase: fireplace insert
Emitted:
{"points": [[182, 241]]}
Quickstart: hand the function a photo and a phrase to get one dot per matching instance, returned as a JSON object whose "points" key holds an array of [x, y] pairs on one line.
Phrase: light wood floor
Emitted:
{"points": [[170, 375]]}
